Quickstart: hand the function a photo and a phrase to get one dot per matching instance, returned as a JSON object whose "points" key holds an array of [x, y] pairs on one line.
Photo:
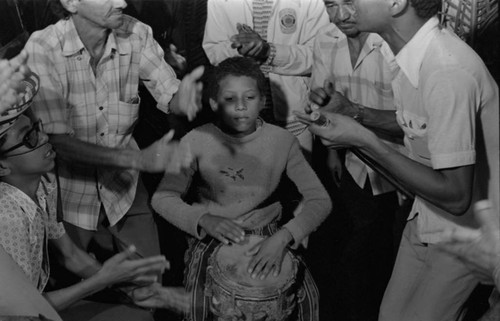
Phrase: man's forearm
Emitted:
{"points": [[383, 121], [63, 298], [73, 149], [448, 189]]}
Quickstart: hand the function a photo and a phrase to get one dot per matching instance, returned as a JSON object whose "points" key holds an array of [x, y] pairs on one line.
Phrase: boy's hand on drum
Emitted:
{"points": [[268, 255], [222, 229]]}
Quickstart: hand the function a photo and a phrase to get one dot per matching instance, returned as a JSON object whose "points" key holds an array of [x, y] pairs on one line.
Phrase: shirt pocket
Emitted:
{"points": [[124, 116], [415, 128]]}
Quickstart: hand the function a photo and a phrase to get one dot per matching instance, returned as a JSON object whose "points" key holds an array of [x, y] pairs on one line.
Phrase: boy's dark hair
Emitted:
{"points": [[426, 8], [236, 66], [58, 9]]}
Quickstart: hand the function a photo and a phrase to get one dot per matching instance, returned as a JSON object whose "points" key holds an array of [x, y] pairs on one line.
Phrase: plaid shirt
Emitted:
{"points": [[100, 108], [26, 227], [367, 83]]}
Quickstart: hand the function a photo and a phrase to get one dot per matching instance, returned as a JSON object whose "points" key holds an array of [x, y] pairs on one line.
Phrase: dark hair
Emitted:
{"points": [[236, 66], [59, 10], [426, 8]]}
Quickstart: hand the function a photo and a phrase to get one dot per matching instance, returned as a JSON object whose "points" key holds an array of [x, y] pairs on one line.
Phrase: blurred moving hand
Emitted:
{"points": [[478, 249]]}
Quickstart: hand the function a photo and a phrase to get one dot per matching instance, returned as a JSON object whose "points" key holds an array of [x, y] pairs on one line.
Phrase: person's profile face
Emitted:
{"points": [[238, 104], [32, 154], [342, 13], [103, 13], [371, 15]]}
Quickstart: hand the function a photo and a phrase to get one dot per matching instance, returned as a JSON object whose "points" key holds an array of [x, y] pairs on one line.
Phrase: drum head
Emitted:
{"points": [[232, 263]]}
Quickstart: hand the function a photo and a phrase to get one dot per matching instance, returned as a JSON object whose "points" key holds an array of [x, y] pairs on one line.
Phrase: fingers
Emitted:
{"points": [[228, 233], [462, 234], [244, 28], [485, 215], [168, 137], [196, 74], [177, 299], [19, 60], [261, 267], [319, 96], [256, 49], [124, 255]]}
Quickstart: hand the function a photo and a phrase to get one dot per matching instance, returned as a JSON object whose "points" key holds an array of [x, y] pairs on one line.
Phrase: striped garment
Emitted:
{"points": [[261, 13], [98, 107], [262, 10]]}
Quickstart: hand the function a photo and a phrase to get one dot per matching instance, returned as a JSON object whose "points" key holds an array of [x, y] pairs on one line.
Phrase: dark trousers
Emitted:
{"points": [[352, 254]]}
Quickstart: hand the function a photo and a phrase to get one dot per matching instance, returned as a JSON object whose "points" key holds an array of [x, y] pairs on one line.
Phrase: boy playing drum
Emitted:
{"points": [[238, 163]]}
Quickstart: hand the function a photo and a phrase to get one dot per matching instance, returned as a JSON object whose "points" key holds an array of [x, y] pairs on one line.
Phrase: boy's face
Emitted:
{"points": [[25, 160], [238, 105]]}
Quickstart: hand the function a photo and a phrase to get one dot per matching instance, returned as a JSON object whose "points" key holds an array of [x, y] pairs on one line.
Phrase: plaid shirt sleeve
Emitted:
{"points": [[158, 77], [49, 104]]}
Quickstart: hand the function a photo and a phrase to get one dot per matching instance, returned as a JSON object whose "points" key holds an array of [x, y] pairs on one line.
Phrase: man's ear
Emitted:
{"points": [[4, 168], [213, 104], [70, 5], [398, 7]]}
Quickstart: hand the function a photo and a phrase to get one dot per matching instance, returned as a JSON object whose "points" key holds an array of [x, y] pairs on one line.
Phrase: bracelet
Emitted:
{"points": [[360, 115]]}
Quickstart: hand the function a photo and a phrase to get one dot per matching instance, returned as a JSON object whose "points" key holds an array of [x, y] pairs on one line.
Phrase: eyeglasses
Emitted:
{"points": [[30, 139]]}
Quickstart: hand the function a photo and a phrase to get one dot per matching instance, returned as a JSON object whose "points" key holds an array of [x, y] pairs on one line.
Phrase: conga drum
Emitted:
{"points": [[234, 295]]}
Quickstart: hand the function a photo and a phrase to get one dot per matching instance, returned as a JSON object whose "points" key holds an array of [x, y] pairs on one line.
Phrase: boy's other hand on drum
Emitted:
{"points": [[268, 255], [222, 229]]}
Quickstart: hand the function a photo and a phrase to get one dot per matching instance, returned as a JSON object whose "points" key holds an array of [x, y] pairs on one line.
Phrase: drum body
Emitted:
{"points": [[234, 295]]}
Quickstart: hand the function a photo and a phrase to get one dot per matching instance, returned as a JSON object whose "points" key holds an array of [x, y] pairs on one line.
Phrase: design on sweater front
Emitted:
{"points": [[234, 174]]}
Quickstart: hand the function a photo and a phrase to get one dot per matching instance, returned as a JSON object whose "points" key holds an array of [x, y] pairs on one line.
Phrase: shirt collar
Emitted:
{"points": [[73, 44], [411, 56], [29, 207], [373, 42]]}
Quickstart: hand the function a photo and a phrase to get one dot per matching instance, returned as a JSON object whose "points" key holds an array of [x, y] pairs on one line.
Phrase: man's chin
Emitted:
{"points": [[350, 32]]}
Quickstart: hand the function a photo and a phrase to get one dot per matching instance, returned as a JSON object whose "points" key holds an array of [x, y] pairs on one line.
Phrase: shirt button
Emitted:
{"points": [[102, 134], [101, 108], [79, 58]]}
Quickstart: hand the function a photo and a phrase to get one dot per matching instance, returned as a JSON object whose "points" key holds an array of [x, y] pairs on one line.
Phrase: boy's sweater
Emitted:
{"points": [[236, 177]]}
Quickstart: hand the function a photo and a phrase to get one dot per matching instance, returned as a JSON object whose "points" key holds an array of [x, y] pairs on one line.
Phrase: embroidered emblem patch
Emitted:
{"points": [[288, 20]]}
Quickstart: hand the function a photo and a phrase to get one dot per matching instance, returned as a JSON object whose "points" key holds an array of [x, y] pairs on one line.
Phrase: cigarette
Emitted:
{"points": [[319, 119]]}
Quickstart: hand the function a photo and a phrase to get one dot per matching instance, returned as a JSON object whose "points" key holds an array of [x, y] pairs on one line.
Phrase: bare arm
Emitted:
{"points": [[449, 189], [73, 258], [117, 269], [73, 149], [160, 156], [382, 122]]}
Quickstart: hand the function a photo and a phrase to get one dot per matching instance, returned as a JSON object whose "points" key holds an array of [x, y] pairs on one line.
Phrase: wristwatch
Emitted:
{"points": [[360, 115]]}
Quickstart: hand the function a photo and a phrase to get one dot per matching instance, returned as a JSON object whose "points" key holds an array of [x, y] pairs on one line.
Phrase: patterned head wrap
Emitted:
{"points": [[31, 85]]}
